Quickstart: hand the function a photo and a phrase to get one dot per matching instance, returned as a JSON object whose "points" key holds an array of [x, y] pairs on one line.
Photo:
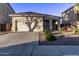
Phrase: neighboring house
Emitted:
{"points": [[25, 21], [71, 17], [5, 20]]}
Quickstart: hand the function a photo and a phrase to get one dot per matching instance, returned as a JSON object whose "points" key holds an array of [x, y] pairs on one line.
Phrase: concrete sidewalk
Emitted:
{"points": [[42, 50]]}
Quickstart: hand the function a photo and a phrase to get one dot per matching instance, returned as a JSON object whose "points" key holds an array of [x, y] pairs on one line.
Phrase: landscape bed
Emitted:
{"points": [[69, 39]]}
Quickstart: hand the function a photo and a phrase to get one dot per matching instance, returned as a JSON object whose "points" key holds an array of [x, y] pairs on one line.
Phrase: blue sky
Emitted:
{"points": [[46, 8]]}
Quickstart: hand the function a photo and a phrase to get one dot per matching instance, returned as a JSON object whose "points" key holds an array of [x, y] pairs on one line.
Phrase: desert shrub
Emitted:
{"points": [[49, 35], [76, 31], [61, 30]]}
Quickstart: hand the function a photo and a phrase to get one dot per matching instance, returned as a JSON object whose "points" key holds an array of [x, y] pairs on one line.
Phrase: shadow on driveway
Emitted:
{"points": [[25, 49]]}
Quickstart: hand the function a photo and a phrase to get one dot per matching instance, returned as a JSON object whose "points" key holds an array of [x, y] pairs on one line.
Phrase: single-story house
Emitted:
{"points": [[32, 21]]}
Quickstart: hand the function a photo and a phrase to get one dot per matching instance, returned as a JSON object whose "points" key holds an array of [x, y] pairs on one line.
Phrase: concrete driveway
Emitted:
{"points": [[19, 38]]}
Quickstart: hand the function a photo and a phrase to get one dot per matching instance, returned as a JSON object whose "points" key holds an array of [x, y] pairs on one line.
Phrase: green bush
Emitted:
{"points": [[49, 35]]}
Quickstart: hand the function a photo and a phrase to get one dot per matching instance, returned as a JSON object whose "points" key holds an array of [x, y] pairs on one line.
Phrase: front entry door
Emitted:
{"points": [[54, 25], [3, 27]]}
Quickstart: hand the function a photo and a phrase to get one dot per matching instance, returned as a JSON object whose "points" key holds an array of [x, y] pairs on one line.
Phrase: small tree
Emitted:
{"points": [[32, 22]]}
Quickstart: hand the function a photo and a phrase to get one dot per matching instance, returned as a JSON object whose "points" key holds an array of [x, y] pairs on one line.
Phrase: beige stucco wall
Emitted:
{"points": [[21, 26], [77, 23]]}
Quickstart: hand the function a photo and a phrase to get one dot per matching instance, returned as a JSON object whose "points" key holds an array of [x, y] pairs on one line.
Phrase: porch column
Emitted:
{"points": [[59, 28], [50, 21], [7, 26], [0, 27], [15, 25]]}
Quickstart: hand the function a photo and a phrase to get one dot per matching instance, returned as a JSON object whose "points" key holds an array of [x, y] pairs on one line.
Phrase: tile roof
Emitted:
{"points": [[35, 13]]}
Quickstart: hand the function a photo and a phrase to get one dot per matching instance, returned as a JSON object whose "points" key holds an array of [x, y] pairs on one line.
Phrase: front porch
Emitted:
{"points": [[52, 25]]}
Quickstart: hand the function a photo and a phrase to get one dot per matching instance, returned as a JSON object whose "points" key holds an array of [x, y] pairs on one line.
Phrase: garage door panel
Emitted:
{"points": [[22, 26]]}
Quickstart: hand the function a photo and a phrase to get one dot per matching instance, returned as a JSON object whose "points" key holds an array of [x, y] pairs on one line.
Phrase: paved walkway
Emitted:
{"points": [[2, 33]]}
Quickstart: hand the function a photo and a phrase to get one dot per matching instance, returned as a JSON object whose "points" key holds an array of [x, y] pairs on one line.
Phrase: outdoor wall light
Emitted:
{"points": [[56, 22]]}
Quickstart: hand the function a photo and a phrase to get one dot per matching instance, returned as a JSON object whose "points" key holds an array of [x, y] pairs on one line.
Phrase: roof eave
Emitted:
{"points": [[23, 15], [11, 7]]}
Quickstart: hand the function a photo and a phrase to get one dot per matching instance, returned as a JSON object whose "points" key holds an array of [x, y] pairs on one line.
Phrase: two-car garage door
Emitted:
{"points": [[21, 26]]}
